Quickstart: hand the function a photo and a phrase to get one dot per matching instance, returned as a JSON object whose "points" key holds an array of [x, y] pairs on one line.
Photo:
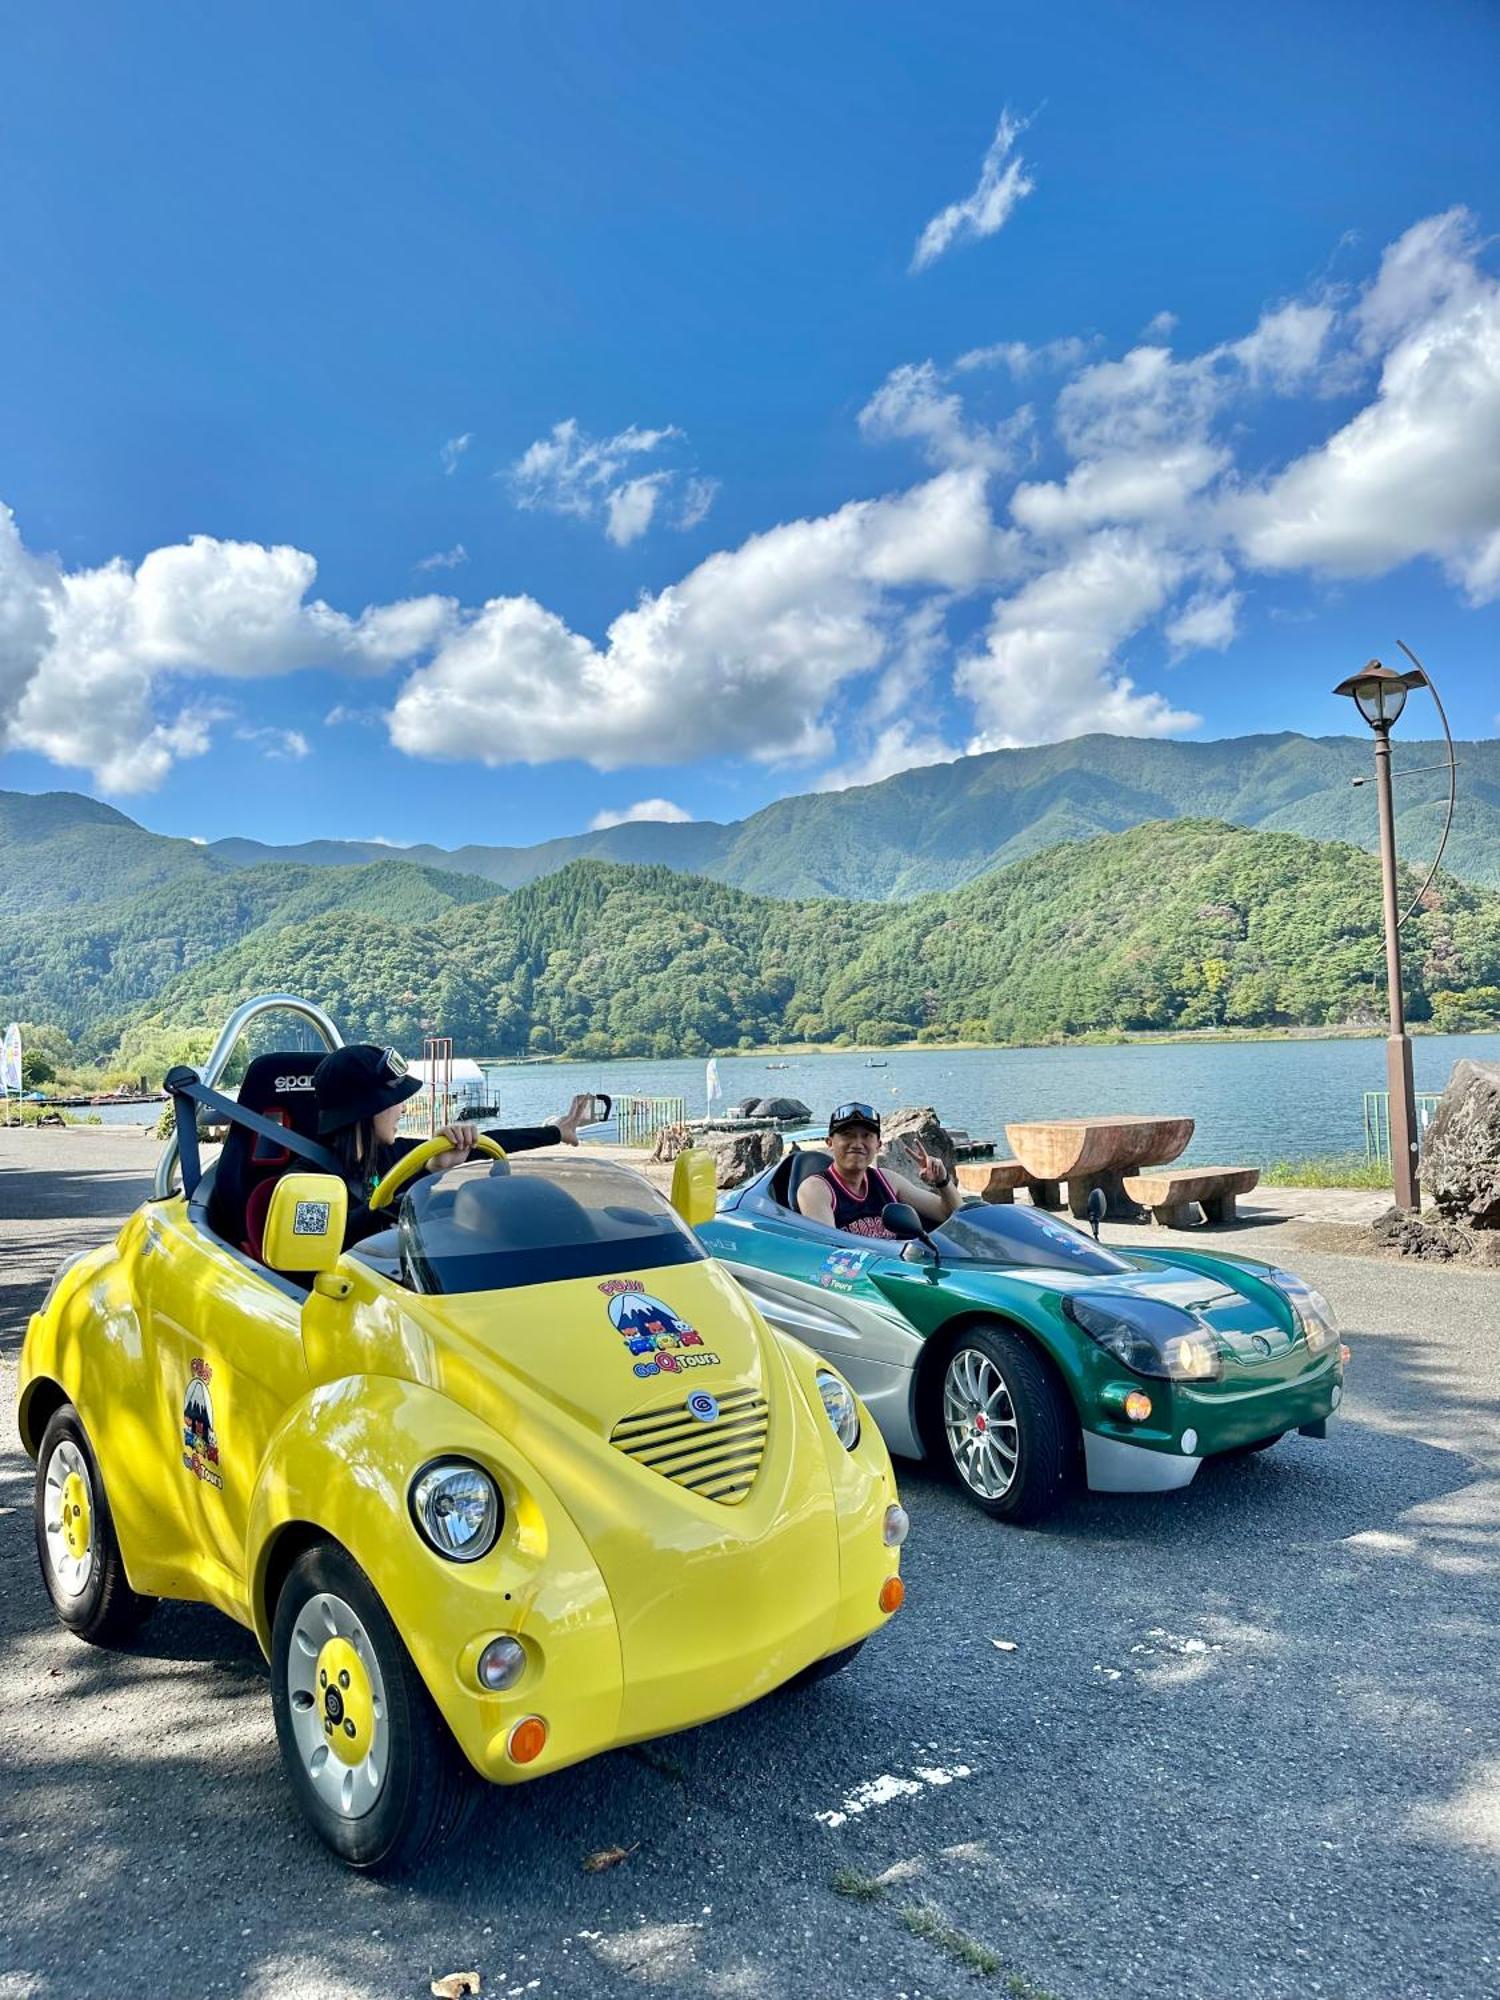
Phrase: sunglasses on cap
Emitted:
{"points": [[854, 1114], [395, 1063]]}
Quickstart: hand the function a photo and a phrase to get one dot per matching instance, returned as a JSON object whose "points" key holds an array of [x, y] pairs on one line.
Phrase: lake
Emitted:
{"points": [[1253, 1101]]}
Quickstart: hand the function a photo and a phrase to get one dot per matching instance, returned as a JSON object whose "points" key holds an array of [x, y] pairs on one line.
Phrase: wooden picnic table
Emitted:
{"points": [[1094, 1152]]}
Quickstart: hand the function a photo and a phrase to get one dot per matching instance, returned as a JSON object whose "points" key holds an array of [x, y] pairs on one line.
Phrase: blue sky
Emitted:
{"points": [[577, 407]]}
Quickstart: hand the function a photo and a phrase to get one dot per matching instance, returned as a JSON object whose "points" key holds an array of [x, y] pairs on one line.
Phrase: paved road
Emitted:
{"points": [[1247, 1742]]}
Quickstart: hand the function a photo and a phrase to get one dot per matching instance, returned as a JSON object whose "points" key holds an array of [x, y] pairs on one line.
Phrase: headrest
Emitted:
{"points": [[284, 1082]]}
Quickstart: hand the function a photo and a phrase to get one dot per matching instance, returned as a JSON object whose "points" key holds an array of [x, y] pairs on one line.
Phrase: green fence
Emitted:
{"points": [[1378, 1122], [641, 1118]]}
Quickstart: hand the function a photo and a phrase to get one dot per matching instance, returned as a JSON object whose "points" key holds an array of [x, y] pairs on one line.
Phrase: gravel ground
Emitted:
{"points": [[1246, 1741]]}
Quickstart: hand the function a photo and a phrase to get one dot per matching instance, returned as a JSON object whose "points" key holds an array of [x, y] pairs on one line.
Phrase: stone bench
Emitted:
{"points": [[1170, 1192], [997, 1180]]}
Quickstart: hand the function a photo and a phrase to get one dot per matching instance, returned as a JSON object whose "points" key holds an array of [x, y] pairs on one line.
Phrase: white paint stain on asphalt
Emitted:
{"points": [[885, 1789]]}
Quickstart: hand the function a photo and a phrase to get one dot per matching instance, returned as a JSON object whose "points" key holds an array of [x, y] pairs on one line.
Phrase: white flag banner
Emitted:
{"points": [[712, 1087], [10, 1059]]}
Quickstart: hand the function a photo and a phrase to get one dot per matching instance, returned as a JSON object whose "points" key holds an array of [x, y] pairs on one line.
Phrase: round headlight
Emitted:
{"points": [[457, 1509], [843, 1412]]}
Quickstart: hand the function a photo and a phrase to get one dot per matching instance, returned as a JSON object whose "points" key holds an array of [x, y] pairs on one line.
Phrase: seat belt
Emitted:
{"points": [[186, 1090]]}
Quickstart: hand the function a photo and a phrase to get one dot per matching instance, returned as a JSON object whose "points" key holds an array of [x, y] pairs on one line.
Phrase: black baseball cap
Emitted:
{"points": [[844, 1115], [359, 1081]]}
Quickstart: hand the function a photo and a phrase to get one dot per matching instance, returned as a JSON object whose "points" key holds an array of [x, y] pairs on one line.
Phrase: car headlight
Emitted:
{"points": [[1148, 1336], [457, 1509], [843, 1411], [1312, 1312]]}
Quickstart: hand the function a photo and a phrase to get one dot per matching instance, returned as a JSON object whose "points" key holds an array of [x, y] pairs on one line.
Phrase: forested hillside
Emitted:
{"points": [[1188, 924], [928, 829]]}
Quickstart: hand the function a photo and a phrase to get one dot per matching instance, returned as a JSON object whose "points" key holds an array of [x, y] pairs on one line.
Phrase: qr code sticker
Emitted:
{"points": [[311, 1219]]}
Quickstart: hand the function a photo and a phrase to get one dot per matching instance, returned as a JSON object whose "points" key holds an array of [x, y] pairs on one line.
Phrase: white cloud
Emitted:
{"points": [[1003, 182], [281, 745], [1022, 360], [698, 495], [453, 451], [643, 809], [1047, 669], [898, 747], [744, 657], [1160, 326], [1286, 346], [628, 508], [911, 403], [30, 595], [1207, 623], [1416, 472], [343, 712], [453, 558], [1143, 485]]}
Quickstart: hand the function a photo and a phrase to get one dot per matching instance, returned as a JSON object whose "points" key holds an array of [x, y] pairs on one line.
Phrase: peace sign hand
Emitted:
{"points": [[932, 1171]]}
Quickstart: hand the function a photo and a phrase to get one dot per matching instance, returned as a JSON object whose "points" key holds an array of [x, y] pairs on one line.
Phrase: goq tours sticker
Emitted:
{"points": [[650, 1328], [703, 1406], [200, 1441]]}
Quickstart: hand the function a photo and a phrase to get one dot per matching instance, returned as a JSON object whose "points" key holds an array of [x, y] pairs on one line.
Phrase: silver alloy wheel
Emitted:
{"points": [[342, 1730], [979, 1420], [71, 1566]]}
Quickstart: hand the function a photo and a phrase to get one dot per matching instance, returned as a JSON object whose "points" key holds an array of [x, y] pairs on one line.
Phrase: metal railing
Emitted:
{"points": [[1378, 1122], [640, 1119]]}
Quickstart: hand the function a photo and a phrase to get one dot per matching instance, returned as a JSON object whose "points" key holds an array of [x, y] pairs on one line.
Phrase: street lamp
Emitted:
{"points": [[1380, 695]]}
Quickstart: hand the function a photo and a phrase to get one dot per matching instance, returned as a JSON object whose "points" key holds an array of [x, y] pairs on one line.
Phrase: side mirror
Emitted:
{"points": [[695, 1195], [304, 1229], [903, 1221], [1098, 1205]]}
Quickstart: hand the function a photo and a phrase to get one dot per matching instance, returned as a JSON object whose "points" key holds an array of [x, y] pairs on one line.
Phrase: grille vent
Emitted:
{"points": [[717, 1460]]}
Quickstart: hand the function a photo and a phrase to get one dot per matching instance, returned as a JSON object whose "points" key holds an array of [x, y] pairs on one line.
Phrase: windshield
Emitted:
{"points": [[1002, 1233], [486, 1227]]}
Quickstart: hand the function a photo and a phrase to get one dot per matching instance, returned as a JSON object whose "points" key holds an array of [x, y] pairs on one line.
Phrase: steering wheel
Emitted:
{"points": [[413, 1163]]}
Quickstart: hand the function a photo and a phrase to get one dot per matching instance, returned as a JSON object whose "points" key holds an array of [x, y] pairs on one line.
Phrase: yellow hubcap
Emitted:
{"points": [[76, 1520], [345, 1702]]}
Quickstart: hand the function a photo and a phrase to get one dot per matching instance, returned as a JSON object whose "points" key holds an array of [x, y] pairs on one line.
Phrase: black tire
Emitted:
{"points": [[1043, 1427], [90, 1591], [831, 1663], [426, 1786], [1249, 1450]]}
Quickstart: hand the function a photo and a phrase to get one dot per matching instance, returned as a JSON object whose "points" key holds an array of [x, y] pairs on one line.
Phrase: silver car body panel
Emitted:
{"points": [[1116, 1467]]}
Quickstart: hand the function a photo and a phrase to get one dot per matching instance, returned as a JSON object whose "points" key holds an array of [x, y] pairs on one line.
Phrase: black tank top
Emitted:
{"points": [[859, 1214]]}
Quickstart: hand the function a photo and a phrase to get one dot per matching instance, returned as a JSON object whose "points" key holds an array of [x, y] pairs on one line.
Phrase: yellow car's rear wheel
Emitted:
{"points": [[76, 1544], [372, 1762]]}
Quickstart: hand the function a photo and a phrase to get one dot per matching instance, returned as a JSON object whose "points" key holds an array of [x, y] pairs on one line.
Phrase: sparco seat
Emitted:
{"points": [[278, 1086]]}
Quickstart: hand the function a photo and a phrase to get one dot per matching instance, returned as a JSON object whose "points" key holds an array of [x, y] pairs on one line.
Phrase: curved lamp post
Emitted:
{"points": [[1380, 695]]}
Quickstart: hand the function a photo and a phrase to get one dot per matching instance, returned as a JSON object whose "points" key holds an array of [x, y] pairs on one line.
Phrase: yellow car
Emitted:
{"points": [[523, 1478]]}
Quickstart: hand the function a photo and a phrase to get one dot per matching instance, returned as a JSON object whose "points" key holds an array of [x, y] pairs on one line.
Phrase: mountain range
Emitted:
{"points": [[932, 828]]}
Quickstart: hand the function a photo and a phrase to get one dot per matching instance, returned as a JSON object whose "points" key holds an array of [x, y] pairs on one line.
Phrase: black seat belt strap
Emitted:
{"points": [[186, 1091]]}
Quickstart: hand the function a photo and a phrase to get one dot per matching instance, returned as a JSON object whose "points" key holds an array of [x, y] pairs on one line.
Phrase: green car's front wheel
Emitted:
{"points": [[1008, 1430], [371, 1761]]}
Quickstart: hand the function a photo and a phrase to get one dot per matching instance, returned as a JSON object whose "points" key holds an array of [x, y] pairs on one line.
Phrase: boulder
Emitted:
{"points": [[791, 1110], [917, 1122], [1461, 1152], [1434, 1240], [738, 1156]]}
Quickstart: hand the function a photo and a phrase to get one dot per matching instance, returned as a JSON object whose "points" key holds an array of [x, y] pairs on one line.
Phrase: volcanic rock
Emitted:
{"points": [[738, 1156], [1461, 1152], [899, 1129]]}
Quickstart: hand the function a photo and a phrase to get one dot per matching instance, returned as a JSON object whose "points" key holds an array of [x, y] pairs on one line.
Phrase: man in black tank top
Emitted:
{"points": [[853, 1193]]}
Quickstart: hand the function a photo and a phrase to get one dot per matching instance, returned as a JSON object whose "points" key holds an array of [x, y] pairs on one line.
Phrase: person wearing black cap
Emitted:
{"points": [[360, 1091], [853, 1193]]}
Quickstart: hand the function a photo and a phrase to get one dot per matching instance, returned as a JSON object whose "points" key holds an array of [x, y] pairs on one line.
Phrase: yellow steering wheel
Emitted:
{"points": [[413, 1163]]}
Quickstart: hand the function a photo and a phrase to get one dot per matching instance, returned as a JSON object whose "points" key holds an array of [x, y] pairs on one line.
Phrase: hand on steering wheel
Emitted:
{"points": [[418, 1159]]}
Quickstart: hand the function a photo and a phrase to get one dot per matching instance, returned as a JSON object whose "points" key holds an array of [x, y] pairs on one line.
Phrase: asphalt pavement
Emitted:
{"points": [[1238, 1741]]}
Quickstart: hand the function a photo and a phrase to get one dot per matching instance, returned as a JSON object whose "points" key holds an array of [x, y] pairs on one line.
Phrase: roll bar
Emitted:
{"points": [[223, 1049]]}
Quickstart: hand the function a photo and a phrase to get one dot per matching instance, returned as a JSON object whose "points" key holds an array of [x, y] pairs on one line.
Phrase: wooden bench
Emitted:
{"points": [[997, 1180], [1170, 1192]]}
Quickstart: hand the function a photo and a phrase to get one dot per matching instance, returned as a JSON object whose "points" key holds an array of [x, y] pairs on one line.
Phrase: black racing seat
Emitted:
{"points": [[279, 1087], [794, 1170]]}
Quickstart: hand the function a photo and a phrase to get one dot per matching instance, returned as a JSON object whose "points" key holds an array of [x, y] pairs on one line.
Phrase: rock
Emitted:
{"points": [[913, 1122], [744, 1109], [1461, 1152], [1434, 1240], [738, 1156], [790, 1109]]}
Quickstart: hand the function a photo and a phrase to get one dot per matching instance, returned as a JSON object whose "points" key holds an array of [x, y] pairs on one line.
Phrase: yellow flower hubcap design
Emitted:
{"points": [[346, 1700], [76, 1517]]}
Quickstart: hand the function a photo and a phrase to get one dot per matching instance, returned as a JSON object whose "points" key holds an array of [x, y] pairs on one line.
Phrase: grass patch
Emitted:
{"points": [[926, 1923], [858, 1888], [1328, 1170]]}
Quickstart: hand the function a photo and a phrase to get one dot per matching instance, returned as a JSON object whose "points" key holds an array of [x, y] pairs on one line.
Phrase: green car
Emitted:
{"points": [[1024, 1354]]}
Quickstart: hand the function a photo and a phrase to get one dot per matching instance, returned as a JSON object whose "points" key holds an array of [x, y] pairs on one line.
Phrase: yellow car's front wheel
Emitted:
{"points": [[75, 1537], [371, 1761]]}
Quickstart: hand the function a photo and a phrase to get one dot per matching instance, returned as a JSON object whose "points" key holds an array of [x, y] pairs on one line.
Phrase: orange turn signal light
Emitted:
{"points": [[1137, 1406], [1345, 1357], [527, 1740], [892, 1594]]}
